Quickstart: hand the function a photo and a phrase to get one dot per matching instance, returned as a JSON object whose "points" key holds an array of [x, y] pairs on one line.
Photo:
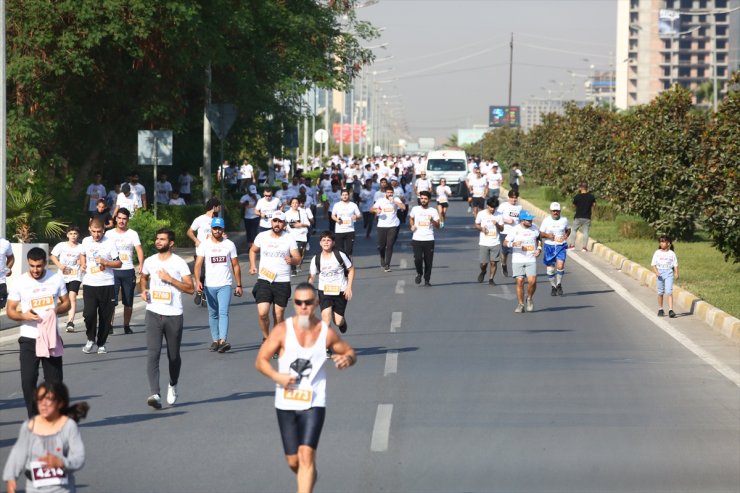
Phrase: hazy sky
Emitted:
{"points": [[451, 57]]}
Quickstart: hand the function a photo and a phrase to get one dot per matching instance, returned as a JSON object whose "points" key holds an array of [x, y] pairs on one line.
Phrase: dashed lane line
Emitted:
{"points": [[382, 428], [396, 321], [400, 286], [391, 363]]}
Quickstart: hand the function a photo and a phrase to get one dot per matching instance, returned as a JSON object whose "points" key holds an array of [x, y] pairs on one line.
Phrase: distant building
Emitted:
{"points": [[666, 42]]}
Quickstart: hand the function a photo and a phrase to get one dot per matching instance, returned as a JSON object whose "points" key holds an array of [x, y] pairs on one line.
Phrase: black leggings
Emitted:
{"points": [[300, 428], [423, 257], [98, 312], [30, 371], [386, 241], [169, 327], [345, 242], [367, 222]]}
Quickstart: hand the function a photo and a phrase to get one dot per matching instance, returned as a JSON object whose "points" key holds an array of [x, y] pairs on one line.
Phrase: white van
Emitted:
{"points": [[450, 165]]}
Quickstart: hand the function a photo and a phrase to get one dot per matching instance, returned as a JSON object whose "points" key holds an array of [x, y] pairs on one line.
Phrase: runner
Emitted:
{"points": [[495, 178], [278, 251], [6, 269], [509, 212], [423, 219], [444, 192], [524, 240], [266, 207], [198, 232], [299, 220], [220, 259], [490, 225], [478, 189], [68, 257], [95, 191], [37, 297], [126, 241], [101, 257], [344, 214], [422, 184], [367, 199], [300, 391], [336, 275], [385, 209], [248, 202], [126, 200], [164, 277], [555, 231]]}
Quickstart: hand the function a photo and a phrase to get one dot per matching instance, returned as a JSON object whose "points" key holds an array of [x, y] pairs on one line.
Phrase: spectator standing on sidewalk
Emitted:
{"points": [[584, 202]]}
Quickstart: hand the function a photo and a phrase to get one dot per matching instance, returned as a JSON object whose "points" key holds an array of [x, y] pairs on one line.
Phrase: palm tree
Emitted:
{"points": [[30, 215]]}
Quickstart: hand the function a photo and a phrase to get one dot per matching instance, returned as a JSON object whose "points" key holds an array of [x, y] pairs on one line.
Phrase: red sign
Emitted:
{"points": [[347, 133]]}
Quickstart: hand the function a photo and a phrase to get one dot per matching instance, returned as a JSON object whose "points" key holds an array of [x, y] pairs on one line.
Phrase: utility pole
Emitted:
{"points": [[511, 70]]}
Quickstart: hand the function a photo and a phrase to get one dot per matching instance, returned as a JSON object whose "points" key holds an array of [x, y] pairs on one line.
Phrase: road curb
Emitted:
{"points": [[720, 321]]}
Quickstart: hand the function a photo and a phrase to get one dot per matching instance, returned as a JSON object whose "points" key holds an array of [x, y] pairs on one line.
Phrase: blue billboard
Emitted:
{"points": [[503, 116]]}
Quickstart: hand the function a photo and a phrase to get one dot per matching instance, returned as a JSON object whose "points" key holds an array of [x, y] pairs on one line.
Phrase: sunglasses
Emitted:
{"points": [[278, 220], [304, 302]]}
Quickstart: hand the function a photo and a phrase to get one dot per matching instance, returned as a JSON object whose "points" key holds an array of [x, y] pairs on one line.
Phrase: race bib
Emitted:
{"points": [[528, 248], [124, 256], [559, 239], [293, 393], [332, 289], [95, 269], [161, 296], [492, 233], [388, 209], [70, 271], [424, 222], [268, 274], [346, 221], [218, 259], [41, 475], [42, 303]]}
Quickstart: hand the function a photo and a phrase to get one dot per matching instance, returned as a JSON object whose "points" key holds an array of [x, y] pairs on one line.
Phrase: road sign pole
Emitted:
{"points": [[223, 178], [156, 159]]}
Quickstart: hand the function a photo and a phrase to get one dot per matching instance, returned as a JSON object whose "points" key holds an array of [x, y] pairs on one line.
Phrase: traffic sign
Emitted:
{"points": [[155, 147], [321, 136], [221, 116]]}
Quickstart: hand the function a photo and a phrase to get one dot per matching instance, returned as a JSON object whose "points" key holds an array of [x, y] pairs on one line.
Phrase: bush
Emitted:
{"points": [[633, 229], [551, 194], [233, 216], [604, 212], [146, 226], [180, 217]]}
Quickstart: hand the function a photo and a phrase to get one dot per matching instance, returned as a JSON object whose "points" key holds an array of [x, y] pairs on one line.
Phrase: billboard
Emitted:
{"points": [[347, 132], [467, 136], [669, 23], [503, 116]]}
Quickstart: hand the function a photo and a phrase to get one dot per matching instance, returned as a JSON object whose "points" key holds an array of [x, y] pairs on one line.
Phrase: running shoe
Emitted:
{"points": [[223, 347], [387, 268], [553, 291], [171, 394], [88, 347], [70, 327], [571, 247], [198, 298], [214, 346], [428, 284], [560, 290], [519, 308], [154, 401], [418, 279], [491, 282], [343, 327], [661, 313], [671, 314], [127, 330], [506, 270], [530, 305], [441, 225], [481, 276], [102, 350], [584, 249]]}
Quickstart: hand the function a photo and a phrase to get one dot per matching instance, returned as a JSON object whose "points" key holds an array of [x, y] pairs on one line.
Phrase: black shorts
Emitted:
{"points": [[443, 205], [300, 428], [271, 292], [479, 202], [125, 281], [338, 303], [74, 286], [301, 246], [3, 295]]}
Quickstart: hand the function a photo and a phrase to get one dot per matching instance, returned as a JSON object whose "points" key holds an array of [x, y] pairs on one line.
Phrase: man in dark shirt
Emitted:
{"points": [[584, 202], [102, 212]]}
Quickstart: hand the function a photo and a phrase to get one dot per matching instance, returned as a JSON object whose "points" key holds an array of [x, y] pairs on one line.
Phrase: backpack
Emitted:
{"points": [[317, 261]]}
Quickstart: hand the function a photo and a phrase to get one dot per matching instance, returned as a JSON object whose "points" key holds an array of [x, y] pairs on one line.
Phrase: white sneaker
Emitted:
{"points": [[519, 308], [102, 350], [530, 305], [88, 347], [171, 394], [154, 401]]}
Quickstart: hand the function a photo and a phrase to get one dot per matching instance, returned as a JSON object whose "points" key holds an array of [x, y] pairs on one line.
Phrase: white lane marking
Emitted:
{"points": [[382, 428], [705, 356], [396, 320], [507, 293], [399, 286], [402, 264], [391, 363]]}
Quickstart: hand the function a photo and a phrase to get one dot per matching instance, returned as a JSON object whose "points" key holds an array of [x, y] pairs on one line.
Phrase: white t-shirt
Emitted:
{"points": [[95, 191], [494, 180], [130, 202], [443, 193], [165, 299], [202, 227], [37, 295], [140, 192], [478, 185], [69, 256], [177, 201], [332, 280], [125, 243], [185, 181], [423, 221], [344, 212], [423, 184], [664, 260], [6, 250], [217, 257], [163, 189], [523, 242], [104, 249], [509, 211], [267, 208], [387, 217], [302, 216], [272, 265], [549, 225], [250, 207], [366, 199], [488, 221]]}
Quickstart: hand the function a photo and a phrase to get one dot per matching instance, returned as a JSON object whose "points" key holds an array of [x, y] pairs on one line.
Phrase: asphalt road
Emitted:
{"points": [[453, 392]]}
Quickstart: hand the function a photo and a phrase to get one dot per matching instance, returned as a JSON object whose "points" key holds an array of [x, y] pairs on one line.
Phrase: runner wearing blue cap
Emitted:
{"points": [[524, 240]]}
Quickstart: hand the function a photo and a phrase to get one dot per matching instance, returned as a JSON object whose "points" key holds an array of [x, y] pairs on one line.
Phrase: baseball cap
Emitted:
{"points": [[252, 189], [525, 216], [217, 222], [279, 216], [394, 178], [555, 206]]}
